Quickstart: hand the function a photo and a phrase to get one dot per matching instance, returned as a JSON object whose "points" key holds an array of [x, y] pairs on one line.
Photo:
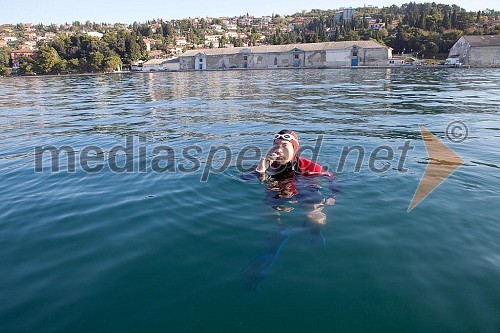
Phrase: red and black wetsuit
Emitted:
{"points": [[308, 167], [300, 166]]}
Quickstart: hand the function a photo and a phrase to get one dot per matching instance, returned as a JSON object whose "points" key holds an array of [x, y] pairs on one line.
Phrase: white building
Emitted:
{"points": [[348, 13], [396, 61], [337, 17], [311, 55], [477, 51], [217, 27], [29, 27], [180, 41], [344, 14], [175, 50], [231, 34], [29, 44], [10, 39], [95, 34], [161, 65], [212, 39], [50, 35], [30, 35], [245, 21]]}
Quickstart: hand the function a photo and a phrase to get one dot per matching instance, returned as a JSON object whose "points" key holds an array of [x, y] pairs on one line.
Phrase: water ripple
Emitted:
{"points": [[154, 250]]}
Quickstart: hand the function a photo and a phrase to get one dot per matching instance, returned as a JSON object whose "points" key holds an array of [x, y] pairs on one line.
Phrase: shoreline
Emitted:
{"points": [[247, 69]]}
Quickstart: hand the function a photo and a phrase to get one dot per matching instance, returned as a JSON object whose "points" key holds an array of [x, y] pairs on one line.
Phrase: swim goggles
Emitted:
{"points": [[285, 136]]}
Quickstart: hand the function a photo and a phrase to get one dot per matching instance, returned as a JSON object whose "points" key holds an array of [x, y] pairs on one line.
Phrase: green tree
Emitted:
{"points": [[4, 71], [4, 57], [26, 66], [133, 48], [454, 19], [351, 35], [322, 35], [61, 66], [111, 63], [4, 61], [465, 20], [446, 21], [96, 60], [83, 65], [73, 65], [47, 59], [422, 22], [159, 31], [431, 49]]}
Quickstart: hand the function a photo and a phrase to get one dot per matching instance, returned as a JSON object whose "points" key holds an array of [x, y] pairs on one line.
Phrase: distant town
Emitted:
{"points": [[411, 33]]}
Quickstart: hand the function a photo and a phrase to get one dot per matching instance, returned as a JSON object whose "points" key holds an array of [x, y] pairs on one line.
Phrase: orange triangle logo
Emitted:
{"points": [[442, 163]]}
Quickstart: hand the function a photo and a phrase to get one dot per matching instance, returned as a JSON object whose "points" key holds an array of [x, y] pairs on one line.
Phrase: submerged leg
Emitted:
{"points": [[256, 271], [315, 221]]}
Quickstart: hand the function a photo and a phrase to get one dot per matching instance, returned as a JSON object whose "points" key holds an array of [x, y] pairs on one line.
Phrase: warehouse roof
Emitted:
{"points": [[366, 44], [483, 40]]}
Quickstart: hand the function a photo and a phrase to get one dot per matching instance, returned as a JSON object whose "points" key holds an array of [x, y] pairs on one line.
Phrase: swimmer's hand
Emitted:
{"points": [[265, 162], [330, 201]]}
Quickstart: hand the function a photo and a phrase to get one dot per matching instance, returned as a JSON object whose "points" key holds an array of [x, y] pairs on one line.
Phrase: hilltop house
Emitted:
{"points": [[16, 55], [180, 41], [312, 55], [477, 51], [155, 54], [95, 34], [148, 42], [212, 39], [345, 14]]}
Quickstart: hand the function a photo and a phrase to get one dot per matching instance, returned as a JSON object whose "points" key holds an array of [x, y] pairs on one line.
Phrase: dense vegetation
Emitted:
{"points": [[427, 29], [83, 53]]}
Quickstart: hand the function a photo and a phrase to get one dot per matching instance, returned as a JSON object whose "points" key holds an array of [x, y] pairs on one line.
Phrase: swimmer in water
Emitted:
{"points": [[283, 163], [292, 180]]}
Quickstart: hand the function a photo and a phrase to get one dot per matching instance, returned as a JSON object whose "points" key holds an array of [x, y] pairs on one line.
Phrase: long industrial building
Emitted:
{"points": [[313, 55], [477, 51]]}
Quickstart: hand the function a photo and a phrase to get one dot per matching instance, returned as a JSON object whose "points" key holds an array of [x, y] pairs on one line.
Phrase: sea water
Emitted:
{"points": [[149, 219]]}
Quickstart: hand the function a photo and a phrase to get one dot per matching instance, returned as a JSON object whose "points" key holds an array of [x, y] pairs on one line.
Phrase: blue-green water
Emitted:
{"points": [[165, 252]]}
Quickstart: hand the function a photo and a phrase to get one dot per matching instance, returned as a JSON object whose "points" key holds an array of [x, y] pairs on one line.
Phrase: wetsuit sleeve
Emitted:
{"points": [[308, 167]]}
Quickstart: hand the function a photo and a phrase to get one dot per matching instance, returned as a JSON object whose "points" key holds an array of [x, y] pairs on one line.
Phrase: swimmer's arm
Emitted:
{"points": [[261, 170], [263, 177], [263, 166], [335, 188], [265, 163]]}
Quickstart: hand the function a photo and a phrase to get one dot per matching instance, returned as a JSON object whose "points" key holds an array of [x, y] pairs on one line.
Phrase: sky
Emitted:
{"points": [[128, 11]]}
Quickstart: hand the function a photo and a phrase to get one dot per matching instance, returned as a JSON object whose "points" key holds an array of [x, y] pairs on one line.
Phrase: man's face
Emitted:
{"points": [[284, 150]]}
